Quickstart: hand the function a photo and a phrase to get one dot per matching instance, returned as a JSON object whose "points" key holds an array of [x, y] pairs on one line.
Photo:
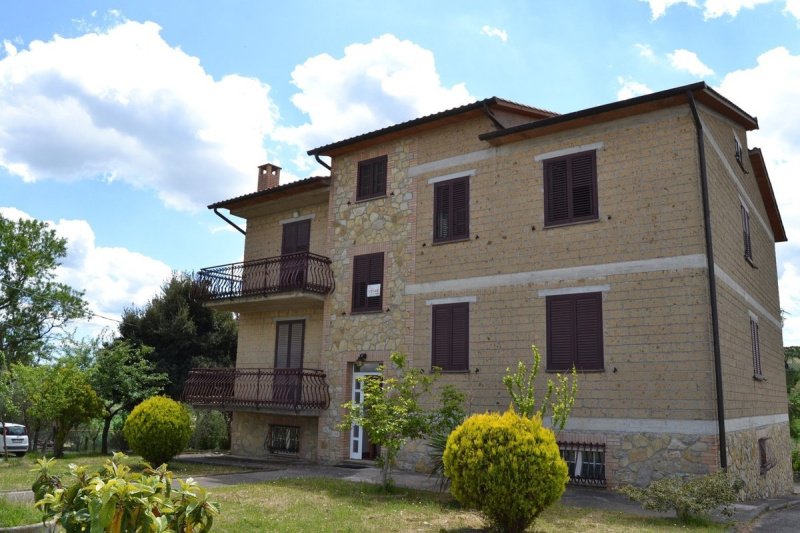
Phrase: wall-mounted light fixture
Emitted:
{"points": [[362, 357]]}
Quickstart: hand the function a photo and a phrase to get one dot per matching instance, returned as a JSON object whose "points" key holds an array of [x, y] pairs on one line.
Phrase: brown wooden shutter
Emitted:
{"points": [[364, 180], [583, 185], [296, 237], [367, 270], [371, 179], [748, 246], [379, 177], [756, 348], [296, 344], [282, 345], [289, 344], [560, 333], [589, 331], [460, 202], [442, 221], [556, 193], [450, 336], [375, 277]]}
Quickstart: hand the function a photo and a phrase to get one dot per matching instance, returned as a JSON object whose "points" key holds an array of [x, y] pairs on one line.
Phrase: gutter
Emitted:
{"points": [[226, 219], [712, 284], [321, 162]]}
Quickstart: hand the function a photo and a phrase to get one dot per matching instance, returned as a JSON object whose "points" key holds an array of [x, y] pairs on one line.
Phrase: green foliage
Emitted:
{"points": [[211, 430], [62, 395], [690, 498], [444, 420], [506, 466], [792, 357], [158, 429], [123, 376], [796, 459], [33, 307], [560, 396], [116, 500], [391, 413], [183, 332]]}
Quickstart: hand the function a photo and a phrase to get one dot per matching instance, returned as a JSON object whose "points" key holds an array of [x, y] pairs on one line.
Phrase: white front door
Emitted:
{"points": [[358, 437]]}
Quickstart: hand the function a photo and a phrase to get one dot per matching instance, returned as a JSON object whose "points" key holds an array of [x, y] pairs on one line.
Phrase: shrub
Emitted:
{"points": [[506, 466], [158, 429], [116, 500], [688, 497], [210, 430], [796, 459], [443, 421]]}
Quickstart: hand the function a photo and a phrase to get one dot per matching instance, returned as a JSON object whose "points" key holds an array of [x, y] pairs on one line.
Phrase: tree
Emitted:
{"points": [[792, 358], [184, 334], [122, 376], [66, 398], [32, 306], [391, 413], [7, 407]]}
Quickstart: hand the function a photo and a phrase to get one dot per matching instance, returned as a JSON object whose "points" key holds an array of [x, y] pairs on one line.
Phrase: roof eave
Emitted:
{"points": [[275, 193], [767, 194]]}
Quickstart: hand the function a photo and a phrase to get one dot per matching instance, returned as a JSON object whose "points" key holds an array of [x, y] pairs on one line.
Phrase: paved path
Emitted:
{"points": [[782, 520]]}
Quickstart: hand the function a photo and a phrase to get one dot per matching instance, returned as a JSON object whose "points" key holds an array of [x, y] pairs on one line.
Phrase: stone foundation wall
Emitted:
{"points": [[744, 459], [249, 433]]}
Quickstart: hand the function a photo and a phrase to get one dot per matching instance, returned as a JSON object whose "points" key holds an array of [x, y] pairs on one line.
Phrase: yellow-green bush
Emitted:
{"points": [[506, 466], [158, 429]]}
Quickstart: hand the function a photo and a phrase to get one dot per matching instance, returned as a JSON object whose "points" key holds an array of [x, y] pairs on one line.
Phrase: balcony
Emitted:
{"points": [[302, 391], [291, 279]]}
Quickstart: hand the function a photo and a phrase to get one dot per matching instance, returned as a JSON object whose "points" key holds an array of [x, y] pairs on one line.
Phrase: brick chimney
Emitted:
{"points": [[268, 176]]}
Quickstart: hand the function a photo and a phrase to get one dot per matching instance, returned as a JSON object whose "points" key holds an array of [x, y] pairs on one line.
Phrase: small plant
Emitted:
{"points": [[116, 500], [443, 421], [158, 429], [560, 396], [690, 498], [390, 413], [506, 466]]}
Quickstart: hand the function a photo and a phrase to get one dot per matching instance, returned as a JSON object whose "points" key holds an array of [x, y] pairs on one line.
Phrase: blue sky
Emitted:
{"points": [[121, 121]]}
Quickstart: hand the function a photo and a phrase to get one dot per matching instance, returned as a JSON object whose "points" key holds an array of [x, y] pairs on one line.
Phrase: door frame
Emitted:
{"points": [[357, 433]]}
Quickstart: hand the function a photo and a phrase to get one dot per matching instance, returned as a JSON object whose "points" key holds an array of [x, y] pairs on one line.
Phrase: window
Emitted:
{"points": [[766, 457], [450, 337], [283, 439], [737, 151], [570, 185], [575, 331], [371, 178], [367, 283], [451, 210], [289, 344], [755, 348], [586, 463], [748, 245]]}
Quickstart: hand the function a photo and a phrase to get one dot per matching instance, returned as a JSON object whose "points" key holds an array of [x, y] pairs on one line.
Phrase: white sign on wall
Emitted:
{"points": [[373, 290]]}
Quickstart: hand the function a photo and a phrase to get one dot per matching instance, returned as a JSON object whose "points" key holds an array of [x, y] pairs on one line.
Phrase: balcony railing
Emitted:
{"points": [[290, 389], [302, 271]]}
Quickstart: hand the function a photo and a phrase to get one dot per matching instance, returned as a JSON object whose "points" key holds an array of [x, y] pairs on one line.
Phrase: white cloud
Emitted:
{"points": [[495, 32], [770, 90], [793, 8], [659, 7], [645, 50], [113, 278], [717, 8], [373, 85], [630, 88], [123, 104], [689, 62]]}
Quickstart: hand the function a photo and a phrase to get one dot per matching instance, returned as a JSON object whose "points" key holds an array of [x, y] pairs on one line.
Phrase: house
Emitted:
{"points": [[634, 240]]}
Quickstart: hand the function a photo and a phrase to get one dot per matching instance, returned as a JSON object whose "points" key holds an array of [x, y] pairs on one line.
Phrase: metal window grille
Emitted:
{"points": [[586, 463], [284, 439]]}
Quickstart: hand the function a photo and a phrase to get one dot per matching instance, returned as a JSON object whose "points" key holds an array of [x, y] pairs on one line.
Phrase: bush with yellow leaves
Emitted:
{"points": [[506, 466]]}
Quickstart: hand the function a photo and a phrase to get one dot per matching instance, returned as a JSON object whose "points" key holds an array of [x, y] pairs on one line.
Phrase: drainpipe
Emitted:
{"points": [[712, 284], [321, 162], [226, 219]]}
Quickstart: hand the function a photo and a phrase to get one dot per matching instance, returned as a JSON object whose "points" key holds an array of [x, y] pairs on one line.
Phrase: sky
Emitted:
{"points": [[121, 121]]}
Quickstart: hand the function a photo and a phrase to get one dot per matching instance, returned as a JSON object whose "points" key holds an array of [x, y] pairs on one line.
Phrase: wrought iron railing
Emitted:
{"points": [[294, 389], [586, 463], [302, 271]]}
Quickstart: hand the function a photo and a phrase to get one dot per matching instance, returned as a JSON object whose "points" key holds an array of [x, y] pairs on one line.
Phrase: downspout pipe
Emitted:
{"points": [[712, 284], [321, 162], [226, 219]]}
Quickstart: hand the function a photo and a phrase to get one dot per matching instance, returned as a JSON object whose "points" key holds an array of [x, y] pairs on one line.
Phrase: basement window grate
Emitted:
{"points": [[283, 440], [586, 463]]}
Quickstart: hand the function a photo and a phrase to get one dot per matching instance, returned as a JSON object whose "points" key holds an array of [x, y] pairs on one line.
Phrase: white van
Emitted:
{"points": [[15, 436]]}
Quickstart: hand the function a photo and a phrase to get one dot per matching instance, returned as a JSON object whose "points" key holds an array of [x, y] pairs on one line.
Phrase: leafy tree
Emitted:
{"points": [[7, 407], [26, 383], [66, 398], [559, 397], [32, 306], [122, 376], [184, 334], [792, 357], [391, 413]]}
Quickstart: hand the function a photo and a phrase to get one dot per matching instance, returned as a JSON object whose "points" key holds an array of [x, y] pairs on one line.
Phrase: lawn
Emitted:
{"points": [[17, 475]]}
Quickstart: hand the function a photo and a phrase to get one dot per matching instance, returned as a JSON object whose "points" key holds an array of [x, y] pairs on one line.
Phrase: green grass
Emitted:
{"points": [[334, 505], [17, 514], [17, 475]]}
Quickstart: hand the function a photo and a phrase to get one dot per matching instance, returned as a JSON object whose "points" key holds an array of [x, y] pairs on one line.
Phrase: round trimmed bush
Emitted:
{"points": [[158, 429], [506, 466]]}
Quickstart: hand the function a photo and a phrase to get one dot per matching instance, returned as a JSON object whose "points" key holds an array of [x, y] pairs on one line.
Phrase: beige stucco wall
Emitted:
{"points": [[265, 231]]}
